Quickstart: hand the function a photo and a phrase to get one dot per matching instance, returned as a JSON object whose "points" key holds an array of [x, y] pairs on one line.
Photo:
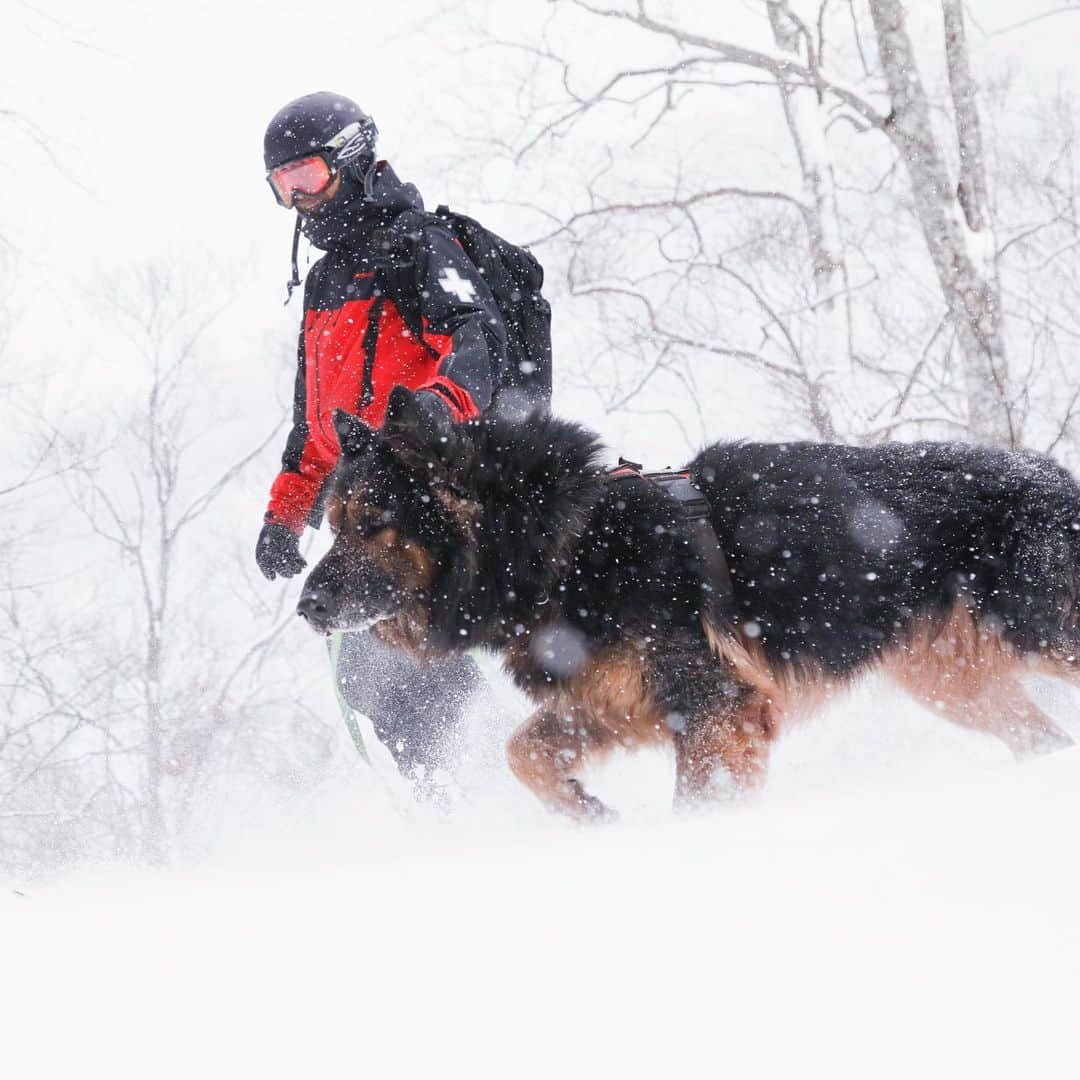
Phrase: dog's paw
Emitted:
{"points": [[592, 809]]}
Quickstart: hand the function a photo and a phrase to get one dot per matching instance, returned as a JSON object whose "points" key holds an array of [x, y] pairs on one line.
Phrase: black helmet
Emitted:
{"points": [[322, 122]]}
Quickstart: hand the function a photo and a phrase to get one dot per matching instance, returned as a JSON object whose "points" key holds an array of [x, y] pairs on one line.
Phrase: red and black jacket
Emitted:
{"points": [[355, 346]]}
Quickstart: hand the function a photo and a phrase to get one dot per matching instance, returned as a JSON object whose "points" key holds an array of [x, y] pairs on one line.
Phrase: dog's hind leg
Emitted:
{"points": [[1002, 708], [967, 674], [733, 743], [548, 751]]}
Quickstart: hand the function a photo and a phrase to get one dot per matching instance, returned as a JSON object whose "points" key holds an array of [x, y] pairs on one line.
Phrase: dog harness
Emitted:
{"points": [[694, 508]]}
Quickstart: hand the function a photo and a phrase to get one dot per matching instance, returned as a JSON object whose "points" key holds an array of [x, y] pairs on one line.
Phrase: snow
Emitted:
{"points": [[902, 901]]}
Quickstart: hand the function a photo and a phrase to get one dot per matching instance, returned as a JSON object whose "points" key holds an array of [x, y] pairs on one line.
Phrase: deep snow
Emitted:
{"points": [[903, 901]]}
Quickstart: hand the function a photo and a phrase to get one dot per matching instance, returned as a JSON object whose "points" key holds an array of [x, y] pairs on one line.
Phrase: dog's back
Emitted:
{"points": [[834, 550], [953, 569]]}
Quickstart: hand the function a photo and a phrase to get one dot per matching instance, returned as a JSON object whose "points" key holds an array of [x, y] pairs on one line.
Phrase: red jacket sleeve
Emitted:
{"points": [[303, 470]]}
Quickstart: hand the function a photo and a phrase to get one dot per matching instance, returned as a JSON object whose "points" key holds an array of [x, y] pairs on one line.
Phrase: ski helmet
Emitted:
{"points": [[322, 123]]}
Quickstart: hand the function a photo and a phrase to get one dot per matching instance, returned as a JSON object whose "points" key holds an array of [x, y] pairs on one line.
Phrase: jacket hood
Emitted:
{"points": [[349, 218]]}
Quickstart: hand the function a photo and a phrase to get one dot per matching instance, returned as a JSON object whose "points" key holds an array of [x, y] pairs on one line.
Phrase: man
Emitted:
{"points": [[356, 344]]}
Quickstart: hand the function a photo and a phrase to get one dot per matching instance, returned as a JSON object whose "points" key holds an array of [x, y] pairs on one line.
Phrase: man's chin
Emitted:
{"points": [[313, 211]]}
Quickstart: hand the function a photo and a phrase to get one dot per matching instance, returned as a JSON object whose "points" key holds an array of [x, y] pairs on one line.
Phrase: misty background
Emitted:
{"points": [[755, 223]]}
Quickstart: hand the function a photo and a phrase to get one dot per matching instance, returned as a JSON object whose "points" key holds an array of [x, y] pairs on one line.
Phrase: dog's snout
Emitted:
{"points": [[314, 607]]}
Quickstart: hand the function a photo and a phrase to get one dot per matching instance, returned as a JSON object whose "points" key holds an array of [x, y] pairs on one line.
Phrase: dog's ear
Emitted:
{"points": [[403, 412], [418, 421], [353, 434]]}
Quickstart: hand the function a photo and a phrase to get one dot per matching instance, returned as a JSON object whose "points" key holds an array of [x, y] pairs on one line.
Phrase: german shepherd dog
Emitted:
{"points": [[953, 570]]}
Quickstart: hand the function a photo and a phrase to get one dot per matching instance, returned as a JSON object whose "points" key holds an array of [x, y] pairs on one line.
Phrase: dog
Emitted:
{"points": [[953, 570]]}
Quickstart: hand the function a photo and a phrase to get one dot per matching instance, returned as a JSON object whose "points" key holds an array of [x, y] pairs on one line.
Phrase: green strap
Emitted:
{"points": [[347, 711]]}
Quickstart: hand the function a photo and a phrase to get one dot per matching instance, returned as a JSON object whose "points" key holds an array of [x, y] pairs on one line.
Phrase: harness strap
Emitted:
{"points": [[703, 537], [695, 513]]}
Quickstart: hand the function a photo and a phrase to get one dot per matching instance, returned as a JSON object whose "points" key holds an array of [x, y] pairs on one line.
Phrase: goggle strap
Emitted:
{"points": [[295, 280]]}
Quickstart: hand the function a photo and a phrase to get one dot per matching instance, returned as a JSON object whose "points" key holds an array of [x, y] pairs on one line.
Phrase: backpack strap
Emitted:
{"points": [[395, 261], [394, 244]]}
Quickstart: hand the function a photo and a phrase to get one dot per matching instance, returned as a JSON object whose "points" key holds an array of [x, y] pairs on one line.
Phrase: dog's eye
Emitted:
{"points": [[371, 522]]}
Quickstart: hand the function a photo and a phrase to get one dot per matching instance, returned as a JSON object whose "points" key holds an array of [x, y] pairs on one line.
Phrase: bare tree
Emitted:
{"points": [[129, 673], [147, 524], [818, 279], [953, 216]]}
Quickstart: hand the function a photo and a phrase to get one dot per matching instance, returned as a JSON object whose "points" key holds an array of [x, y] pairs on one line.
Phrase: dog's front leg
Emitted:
{"points": [[548, 750], [733, 744]]}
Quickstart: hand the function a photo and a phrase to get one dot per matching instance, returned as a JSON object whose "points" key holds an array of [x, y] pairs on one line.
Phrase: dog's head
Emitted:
{"points": [[403, 545]]}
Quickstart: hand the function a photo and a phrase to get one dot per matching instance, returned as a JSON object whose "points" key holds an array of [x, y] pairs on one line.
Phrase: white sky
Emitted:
{"points": [[155, 110], [155, 113]]}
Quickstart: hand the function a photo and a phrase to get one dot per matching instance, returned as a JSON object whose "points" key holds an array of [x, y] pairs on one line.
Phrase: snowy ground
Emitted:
{"points": [[903, 902]]}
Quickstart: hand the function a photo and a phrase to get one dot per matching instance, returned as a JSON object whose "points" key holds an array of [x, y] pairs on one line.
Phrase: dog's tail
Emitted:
{"points": [[1035, 591]]}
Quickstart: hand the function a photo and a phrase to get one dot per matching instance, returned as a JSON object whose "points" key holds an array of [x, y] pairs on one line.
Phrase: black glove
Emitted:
{"points": [[278, 551]]}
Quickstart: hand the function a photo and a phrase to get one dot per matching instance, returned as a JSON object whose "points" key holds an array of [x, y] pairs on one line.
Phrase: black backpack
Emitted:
{"points": [[515, 279]]}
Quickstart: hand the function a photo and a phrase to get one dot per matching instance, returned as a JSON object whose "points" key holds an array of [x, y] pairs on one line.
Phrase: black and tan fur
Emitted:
{"points": [[950, 569]]}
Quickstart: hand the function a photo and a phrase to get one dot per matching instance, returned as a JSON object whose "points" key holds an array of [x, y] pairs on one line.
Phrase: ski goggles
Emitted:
{"points": [[304, 176]]}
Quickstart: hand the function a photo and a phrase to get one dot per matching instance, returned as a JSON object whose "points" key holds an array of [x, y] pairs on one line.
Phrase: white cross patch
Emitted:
{"points": [[452, 282]]}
